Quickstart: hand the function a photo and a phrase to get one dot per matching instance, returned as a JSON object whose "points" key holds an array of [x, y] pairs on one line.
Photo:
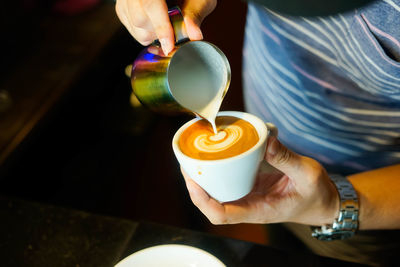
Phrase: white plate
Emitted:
{"points": [[170, 255]]}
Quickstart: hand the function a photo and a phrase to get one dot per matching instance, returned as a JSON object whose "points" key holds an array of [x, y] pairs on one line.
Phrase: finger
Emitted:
{"points": [[157, 12], [216, 212], [143, 36], [193, 13], [282, 158], [138, 15], [120, 9], [193, 30], [211, 208], [156, 50]]}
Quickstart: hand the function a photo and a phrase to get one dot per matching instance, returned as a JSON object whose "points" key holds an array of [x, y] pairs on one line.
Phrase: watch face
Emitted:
{"points": [[312, 7]]}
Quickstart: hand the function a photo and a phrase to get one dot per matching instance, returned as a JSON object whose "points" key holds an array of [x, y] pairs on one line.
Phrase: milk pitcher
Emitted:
{"points": [[194, 77]]}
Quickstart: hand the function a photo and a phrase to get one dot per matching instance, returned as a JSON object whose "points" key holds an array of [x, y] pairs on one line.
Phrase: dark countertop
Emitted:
{"points": [[35, 234], [232, 252]]}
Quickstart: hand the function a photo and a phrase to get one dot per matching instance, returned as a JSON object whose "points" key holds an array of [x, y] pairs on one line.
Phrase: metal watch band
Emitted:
{"points": [[346, 224]]}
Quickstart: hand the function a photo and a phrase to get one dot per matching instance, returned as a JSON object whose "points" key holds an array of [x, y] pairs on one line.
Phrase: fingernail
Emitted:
{"points": [[198, 34], [166, 46], [192, 28], [273, 147]]}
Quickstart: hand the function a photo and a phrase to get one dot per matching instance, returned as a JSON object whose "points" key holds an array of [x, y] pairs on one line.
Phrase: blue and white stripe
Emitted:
{"points": [[330, 84]]}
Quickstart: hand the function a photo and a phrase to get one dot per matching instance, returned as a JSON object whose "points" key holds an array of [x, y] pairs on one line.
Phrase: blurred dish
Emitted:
{"points": [[171, 255]]}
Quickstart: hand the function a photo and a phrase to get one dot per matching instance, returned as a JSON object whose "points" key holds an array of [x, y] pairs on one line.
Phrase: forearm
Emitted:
{"points": [[379, 196]]}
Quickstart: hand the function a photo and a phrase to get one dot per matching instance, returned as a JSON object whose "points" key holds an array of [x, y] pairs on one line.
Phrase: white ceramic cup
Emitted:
{"points": [[230, 178]]}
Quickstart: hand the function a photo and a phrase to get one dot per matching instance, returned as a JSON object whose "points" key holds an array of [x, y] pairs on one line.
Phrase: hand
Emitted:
{"points": [[147, 20], [299, 190]]}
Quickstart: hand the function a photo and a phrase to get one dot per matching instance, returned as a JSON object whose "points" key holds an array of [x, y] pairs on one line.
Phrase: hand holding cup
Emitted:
{"points": [[298, 190]]}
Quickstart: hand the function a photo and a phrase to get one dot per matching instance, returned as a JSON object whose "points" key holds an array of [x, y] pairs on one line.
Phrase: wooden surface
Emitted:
{"points": [[67, 46]]}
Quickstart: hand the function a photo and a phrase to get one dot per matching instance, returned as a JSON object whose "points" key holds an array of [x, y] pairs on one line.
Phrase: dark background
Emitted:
{"points": [[90, 149]]}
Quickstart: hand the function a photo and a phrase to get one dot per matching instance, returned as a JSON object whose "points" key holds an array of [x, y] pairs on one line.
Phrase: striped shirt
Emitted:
{"points": [[330, 84]]}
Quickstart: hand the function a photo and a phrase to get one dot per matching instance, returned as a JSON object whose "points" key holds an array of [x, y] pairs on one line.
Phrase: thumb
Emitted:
{"points": [[282, 158], [194, 11]]}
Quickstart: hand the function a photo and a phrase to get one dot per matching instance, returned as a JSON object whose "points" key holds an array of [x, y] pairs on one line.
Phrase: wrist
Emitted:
{"points": [[332, 206]]}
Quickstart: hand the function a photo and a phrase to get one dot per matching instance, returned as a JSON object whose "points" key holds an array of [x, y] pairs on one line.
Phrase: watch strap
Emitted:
{"points": [[346, 225]]}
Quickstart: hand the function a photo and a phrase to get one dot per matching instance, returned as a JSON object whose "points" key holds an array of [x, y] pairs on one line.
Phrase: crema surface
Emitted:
{"points": [[234, 137]]}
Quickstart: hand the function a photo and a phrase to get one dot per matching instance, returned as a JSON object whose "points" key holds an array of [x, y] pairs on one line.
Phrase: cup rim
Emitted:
{"points": [[239, 114]]}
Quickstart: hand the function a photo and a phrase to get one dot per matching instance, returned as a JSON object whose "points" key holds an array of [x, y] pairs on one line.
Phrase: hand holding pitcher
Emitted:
{"points": [[147, 20]]}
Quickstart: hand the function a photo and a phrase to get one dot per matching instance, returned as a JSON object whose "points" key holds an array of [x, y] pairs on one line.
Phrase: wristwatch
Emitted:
{"points": [[346, 225]]}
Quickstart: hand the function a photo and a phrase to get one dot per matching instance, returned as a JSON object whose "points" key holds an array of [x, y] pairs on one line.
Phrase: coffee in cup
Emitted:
{"points": [[229, 176], [234, 136]]}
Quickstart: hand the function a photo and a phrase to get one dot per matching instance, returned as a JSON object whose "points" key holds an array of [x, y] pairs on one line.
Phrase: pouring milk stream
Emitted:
{"points": [[194, 77]]}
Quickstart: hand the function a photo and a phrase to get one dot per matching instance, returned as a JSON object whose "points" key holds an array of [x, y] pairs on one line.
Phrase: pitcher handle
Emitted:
{"points": [[176, 18]]}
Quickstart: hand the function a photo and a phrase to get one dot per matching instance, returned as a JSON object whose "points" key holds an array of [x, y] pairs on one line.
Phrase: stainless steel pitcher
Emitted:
{"points": [[192, 76]]}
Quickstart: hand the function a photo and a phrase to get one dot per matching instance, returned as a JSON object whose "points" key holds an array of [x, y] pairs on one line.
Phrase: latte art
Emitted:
{"points": [[219, 136], [215, 143], [234, 137]]}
